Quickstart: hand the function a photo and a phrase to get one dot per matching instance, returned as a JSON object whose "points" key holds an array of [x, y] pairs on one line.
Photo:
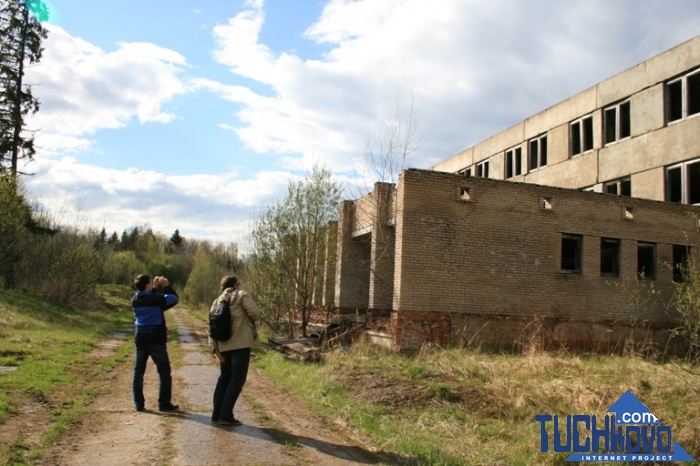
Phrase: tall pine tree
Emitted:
{"points": [[21, 34]]}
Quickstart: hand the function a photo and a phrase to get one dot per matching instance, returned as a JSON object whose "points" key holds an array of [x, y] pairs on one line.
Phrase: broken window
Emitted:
{"points": [[610, 257], [683, 97], [681, 255], [646, 260], [581, 135], [514, 162], [616, 122], [482, 169], [538, 152], [621, 187], [571, 252], [683, 182]]}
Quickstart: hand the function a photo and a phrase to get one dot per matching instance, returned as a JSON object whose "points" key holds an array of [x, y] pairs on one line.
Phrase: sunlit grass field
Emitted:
{"points": [[466, 407]]}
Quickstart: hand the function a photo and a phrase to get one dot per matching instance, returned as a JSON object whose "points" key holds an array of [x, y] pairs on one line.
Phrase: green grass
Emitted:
{"points": [[48, 345], [459, 406]]}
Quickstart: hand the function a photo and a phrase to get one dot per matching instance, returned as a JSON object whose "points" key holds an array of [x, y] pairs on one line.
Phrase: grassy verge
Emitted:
{"points": [[47, 345], [458, 406]]}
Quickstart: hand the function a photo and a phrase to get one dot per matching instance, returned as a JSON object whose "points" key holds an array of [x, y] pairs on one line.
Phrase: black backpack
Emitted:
{"points": [[220, 319]]}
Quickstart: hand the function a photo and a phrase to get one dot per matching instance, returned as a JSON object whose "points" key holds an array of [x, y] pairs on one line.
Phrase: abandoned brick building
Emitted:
{"points": [[567, 227]]}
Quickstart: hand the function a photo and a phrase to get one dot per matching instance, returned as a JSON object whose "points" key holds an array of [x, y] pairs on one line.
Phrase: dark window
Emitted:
{"points": [[482, 169], [571, 252], [616, 122], [538, 153], [582, 135], [674, 185], [683, 97], [693, 182], [467, 172], [610, 257], [683, 183], [680, 262], [646, 259], [610, 125], [694, 94], [625, 120], [514, 164], [674, 100], [621, 187]]}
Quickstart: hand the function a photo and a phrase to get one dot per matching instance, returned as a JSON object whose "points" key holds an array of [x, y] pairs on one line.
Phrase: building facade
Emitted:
{"points": [[501, 243]]}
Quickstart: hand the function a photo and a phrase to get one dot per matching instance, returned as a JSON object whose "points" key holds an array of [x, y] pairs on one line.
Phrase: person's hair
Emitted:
{"points": [[141, 281], [229, 281]]}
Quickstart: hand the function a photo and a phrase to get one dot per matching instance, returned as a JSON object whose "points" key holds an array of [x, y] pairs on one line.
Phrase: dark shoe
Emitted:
{"points": [[230, 421], [140, 409], [168, 407]]}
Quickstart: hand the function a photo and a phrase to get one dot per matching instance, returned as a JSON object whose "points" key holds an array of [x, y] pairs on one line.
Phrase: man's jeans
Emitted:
{"points": [[159, 354], [234, 372]]}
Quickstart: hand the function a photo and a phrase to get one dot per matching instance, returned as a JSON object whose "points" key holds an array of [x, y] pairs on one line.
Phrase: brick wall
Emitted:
{"points": [[497, 249]]}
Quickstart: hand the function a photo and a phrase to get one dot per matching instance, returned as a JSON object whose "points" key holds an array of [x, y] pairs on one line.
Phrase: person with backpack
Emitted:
{"points": [[232, 348], [151, 336]]}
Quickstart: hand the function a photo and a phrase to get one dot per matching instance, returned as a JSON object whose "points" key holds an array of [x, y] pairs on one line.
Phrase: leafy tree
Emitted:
{"points": [[203, 283], [176, 241], [15, 215], [21, 34], [289, 241]]}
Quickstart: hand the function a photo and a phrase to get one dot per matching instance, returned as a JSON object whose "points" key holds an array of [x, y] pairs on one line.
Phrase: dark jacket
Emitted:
{"points": [[148, 307]]}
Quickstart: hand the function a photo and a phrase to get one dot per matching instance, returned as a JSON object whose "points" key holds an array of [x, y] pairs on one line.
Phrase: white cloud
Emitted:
{"points": [[473, 67], [217, 207], [82, 88]]}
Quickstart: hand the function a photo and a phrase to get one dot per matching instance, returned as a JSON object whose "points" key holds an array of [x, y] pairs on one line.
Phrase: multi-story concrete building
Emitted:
{"points": [[488, 246]]}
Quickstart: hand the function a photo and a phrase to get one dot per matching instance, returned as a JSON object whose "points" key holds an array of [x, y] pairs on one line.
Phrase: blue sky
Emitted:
{"points": [[195, 114]]}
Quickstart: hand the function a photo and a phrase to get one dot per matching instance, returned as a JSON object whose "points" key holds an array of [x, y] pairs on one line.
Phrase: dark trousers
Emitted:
{"points": [[159, 354], [234, 372]]}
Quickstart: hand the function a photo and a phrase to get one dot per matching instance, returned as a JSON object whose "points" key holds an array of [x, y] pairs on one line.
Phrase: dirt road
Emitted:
{"points": [[275, 430]]}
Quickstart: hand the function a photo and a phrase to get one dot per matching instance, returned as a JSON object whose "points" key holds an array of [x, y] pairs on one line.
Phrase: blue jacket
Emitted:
{"points": [[148, 309]]}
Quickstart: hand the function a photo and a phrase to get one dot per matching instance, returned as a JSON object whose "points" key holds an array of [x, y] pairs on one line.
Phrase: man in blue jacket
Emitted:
{"points": [[151, 337]]}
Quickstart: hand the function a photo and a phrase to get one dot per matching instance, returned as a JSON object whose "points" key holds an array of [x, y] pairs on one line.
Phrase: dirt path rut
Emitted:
{"points": [[275, 430]]}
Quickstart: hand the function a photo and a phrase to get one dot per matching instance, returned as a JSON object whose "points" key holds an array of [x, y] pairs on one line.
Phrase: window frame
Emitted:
{"points": [[619, 187], [514, 162], [581, 135], [577, 261], [539, 155], [682, 256], [687, 191], [641, 273], [622, 127], [612, 257], [482, 169], [685, 104]]}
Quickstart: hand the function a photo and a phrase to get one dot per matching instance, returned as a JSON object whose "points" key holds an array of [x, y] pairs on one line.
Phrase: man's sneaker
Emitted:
{"points": [[140, 409], [168, 407], [230, 421]]}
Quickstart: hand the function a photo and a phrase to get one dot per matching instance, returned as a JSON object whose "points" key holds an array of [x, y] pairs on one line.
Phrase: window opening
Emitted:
{"points": [[610, 257], [514, 162], [571, 252], [621, 187], [683, 97], [581, 132], [646, 260], [467, 172], [538, 153], [482, 169], [683, 182], [616, 122], [464, 194], [681, 254]]}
